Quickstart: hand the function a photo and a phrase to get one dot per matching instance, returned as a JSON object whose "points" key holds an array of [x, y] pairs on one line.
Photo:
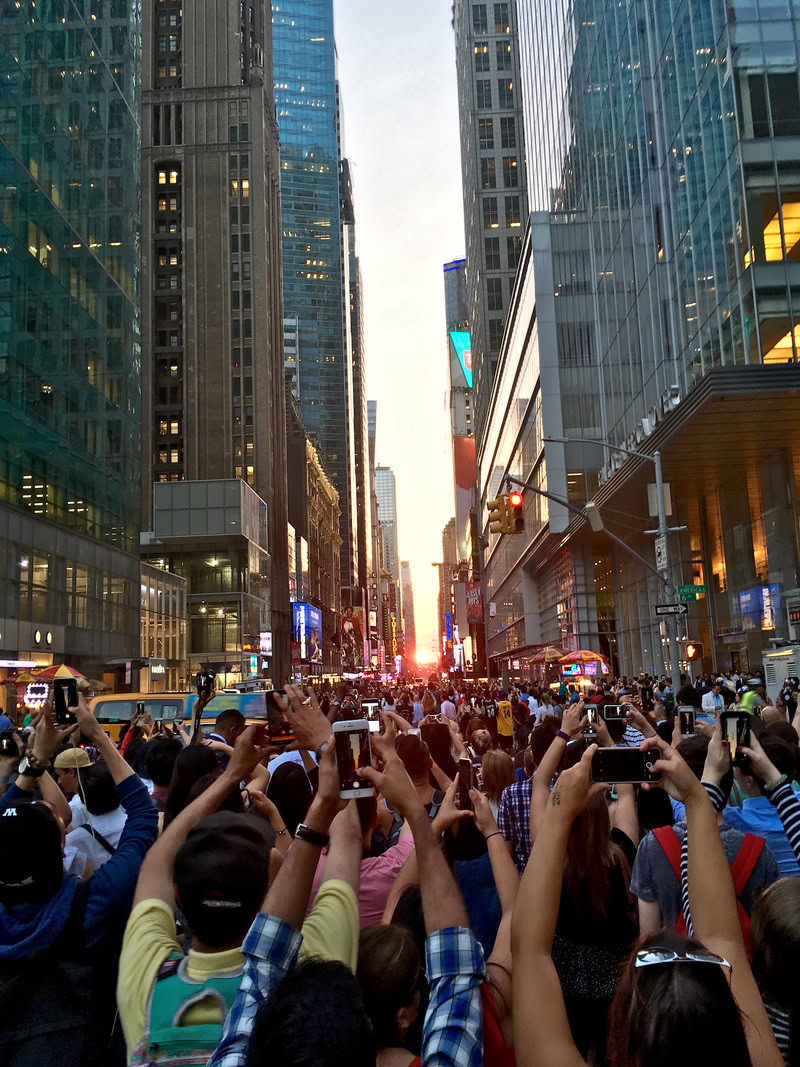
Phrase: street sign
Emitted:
{"points": [[672, 609], [661, 553], [689, 592]]}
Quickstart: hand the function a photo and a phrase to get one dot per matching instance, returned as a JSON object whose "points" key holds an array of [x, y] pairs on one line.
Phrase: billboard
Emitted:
{"points": [[307, 632], [474, 603], [353, 638], [760, 607], [462, 346]]}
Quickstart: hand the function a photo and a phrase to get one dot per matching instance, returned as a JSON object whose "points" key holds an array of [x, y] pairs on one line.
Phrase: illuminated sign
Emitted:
{"points": [[158, 668], [19, 663], [36, 695], [394, 634], [265, 642], [307, 632], [462, 344]]}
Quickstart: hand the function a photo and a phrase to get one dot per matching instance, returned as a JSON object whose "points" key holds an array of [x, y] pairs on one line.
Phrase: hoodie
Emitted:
{"points": [[758, 816]]}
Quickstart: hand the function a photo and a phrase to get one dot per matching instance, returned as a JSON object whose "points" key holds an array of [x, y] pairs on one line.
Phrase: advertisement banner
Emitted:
{"points": [[353, 638], [474, 602], [307, 633]]}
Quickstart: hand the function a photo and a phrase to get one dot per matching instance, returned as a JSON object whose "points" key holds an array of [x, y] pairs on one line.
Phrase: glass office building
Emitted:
{"points": [[69, 329], [304, 68], [666, 188]]}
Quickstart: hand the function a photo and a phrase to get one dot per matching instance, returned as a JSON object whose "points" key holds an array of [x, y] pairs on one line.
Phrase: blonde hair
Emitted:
{"points": [[428, 703]]}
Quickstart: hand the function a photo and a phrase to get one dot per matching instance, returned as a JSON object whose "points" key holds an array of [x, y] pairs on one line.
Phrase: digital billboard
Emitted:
{"points": [[307, 632], [353, 638], [462, 345]]}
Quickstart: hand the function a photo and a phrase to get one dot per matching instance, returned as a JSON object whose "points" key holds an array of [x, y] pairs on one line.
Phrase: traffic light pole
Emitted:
{"points": [[669, 589]]}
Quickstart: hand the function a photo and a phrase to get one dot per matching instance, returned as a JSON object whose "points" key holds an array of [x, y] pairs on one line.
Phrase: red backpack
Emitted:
{"points": [[741, 869]]}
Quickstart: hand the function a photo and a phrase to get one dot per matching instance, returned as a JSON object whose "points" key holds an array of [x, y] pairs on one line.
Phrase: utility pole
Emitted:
{"points": [[669, 588]]}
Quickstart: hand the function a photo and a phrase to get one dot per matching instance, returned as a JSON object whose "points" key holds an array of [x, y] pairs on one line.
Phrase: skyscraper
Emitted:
{"points": [[386, 491], [409, 626], [360, 431], [314, 249], [69, 335], [493, 175], [212, 319]]}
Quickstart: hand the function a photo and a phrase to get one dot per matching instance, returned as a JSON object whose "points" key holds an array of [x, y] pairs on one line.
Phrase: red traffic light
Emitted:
{"points": [[693, 651], [515, 499]]}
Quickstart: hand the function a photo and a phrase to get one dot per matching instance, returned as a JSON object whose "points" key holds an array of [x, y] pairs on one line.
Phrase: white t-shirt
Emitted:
{"points": [[292, 756], [449, 709], [80, 816], [109, 825]]}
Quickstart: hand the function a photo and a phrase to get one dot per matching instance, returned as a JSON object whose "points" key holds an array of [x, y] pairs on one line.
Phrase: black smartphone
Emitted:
{"points": [[736, 731], [65, 696], [370, 707], [465, 784], [140, 708], [686, 717], [157, 725], [205, 682], [615, 711], [8, 746], [624, 765]]}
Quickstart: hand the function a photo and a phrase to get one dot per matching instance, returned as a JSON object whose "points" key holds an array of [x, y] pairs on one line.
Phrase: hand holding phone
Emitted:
{"points": [[65, 696], [687, 721], [465, 784], [353, 751], [736, 731], [624, 765]]}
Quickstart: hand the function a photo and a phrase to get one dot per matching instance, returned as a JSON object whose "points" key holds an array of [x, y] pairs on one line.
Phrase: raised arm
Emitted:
{"points": [[572, 724], [90, 728], [778, 790]]}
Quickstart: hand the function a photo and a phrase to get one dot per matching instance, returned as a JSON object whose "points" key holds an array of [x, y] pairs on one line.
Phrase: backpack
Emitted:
{"points": [[57, 1006], [165, 1042], [742, 867]]}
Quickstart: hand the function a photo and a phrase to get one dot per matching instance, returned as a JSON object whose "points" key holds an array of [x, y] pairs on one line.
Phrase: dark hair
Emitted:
{"points": [[784, 730], [408, 913], [674, 1013], [694, 750], [229, 719], [654, 808], [389, 972], [689, 696], [616, 729], [436, 736], [775, 941], [315, 1016], [193, 762], [367, 812], [590, 862], [542, 738], [160, 759], [99, 790], [780, 753], [415, 755], [290, 791], [231, 802]]}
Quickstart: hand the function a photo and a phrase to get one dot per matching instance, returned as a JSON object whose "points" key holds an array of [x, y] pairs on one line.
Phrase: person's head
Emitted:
{"points": [[590, 860], [194, 762], [780, 753], [428, 703], [416, 757], [782, 729], [160, 759], [232, 801], [542, 738], [221, 873], [290, 791], [437, 737], [616, 729], [229, 724], [498, 772], [99, 790], [770, 716], [481, 741], [31, 867], [694, 750], [389, 973], [315, 1016], [756, 684], [673, 1012], [67, 766], [775, 940], [689, 696]]}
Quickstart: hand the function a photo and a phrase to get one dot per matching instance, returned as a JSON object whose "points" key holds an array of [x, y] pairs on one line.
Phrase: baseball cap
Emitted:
{"points": [[755, 681], [221, 874], [30, 853], [71, 758]]}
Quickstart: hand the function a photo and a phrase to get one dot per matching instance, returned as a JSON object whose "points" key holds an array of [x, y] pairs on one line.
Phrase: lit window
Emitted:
{"points": [[245, 187], [173, 456], [162, 177]]}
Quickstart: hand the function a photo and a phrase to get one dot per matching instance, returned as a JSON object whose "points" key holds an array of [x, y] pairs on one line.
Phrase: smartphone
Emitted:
{"points": [[473, 702], [624, 765], [140, 708], [465, 783], [157, 725], [65, 696], [590, 730], [615, 711], [415, 730], [178, 723], [8, 746], [736, 731], [687, 721], [353, 750], [374, 726], [370, 707], [205, 682]]}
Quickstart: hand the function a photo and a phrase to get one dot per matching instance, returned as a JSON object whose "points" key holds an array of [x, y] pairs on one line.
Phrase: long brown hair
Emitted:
{"points": [[591, 859], [498, 772]]}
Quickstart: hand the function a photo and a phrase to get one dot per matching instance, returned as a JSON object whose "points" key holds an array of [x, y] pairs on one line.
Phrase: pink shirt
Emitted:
{"points": [[377, 878]]}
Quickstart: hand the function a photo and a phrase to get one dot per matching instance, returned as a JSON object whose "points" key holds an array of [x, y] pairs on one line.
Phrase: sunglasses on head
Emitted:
{"points": [[654, 957]]}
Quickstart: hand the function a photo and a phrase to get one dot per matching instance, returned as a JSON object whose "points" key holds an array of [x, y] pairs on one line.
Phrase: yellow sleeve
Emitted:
{"points": [[331, 930], [149, 939]]}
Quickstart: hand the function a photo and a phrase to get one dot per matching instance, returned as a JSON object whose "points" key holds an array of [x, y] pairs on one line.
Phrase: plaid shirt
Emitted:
{"points": [[514, 820], [453, 1031]]}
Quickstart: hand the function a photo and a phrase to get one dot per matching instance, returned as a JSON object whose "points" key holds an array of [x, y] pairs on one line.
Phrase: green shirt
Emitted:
{"points": [[750, 701]]}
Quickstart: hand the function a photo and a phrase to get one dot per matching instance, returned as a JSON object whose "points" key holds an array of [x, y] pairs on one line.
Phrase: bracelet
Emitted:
{"points": [[280, 833], [562, 735], [493, 834], [770, 787]]}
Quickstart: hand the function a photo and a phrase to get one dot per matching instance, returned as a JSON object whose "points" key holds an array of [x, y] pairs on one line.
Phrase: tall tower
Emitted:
{"points": [[212, 320], [386, 491], [409, 626], [315, 250], [493, 166]]}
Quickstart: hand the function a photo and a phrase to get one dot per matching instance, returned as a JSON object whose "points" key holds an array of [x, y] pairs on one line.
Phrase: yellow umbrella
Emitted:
{"points": [[60, 670], [583, 655], [547, 655]]}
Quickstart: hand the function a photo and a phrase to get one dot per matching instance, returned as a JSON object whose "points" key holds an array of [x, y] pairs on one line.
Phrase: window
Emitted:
{"points": [[495, 334], [503, 50], [505, 89], [494, 294], [485, 133], [480, 18], [490, 218], [512, 211], [488, 180], [501, 20], [510, 172], [483, 88], [175, 427], [508, 133], [482, 56], [492, 251], [514, 249]]}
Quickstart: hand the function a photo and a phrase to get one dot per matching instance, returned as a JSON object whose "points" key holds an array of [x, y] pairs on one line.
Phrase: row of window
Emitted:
{"points": [[480, 18], [502, 51], [489, 173], [508, 133], [483, 92], [167, 124], [491, 219], [167, 47], [168, 311], [492, 252]]}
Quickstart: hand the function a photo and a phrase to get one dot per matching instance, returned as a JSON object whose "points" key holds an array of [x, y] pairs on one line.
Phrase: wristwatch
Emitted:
{"points": [[314, 837], [26, 767]]}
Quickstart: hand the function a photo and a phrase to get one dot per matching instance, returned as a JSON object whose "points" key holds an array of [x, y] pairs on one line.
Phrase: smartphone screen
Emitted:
{"points": [[615, 711], [374, 726], [369, 708], [736, 731], [465, 784], [686, 716], [65, 696], [353, 751], [591, 715], [624, 765]]}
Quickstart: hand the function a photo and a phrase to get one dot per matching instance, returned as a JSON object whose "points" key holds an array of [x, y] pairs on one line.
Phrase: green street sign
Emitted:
{"points": [[689, 592]]}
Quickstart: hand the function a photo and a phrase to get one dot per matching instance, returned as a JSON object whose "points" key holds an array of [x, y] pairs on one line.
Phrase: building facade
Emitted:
{"points": [[654, 310], [493, 174], [409, 626], [164, 666], [386, 490], [315, 249], [69, 336], [212, 320]]}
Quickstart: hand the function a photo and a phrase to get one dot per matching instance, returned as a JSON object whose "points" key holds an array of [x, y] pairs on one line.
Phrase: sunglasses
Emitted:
{"points": [[654, 957]]}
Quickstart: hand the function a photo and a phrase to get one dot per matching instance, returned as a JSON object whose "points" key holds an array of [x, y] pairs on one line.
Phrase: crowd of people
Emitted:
{"points": [[181, 898]]}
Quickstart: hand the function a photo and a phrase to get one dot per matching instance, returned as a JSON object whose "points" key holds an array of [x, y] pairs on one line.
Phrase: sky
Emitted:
{"points": [[398, 80]]}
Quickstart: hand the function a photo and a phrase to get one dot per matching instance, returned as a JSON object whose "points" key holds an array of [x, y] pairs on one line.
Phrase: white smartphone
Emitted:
{"points": [[353, 750]]}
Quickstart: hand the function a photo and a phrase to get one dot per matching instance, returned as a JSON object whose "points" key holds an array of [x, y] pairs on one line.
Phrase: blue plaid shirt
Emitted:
{"points": [[453, 1031]]}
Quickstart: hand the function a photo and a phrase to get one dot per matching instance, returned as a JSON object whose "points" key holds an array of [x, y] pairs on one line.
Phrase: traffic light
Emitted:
{"points": [[496, 509], [515, 523], [691, 650]]}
